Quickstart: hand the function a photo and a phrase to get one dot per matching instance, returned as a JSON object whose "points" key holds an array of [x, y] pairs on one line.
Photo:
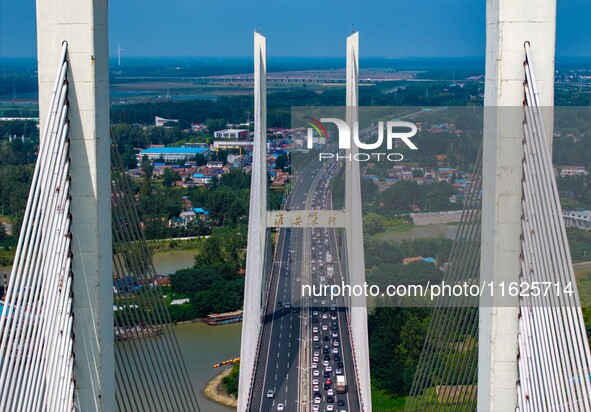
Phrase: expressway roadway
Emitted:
{"points": [[297, 333]]}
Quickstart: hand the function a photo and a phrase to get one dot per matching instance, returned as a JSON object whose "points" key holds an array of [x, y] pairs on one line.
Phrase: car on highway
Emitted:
{"points": [[337, 358], [325, 363], [270, 394], [315, 338], [325, 327], [338, 371], [315, 359], [335, 334], [287, 305], [281, 407], [315, 313], [326, 338], [315, 408], [329, 399], [328, 381], [329, 408], [315, 329], [315, 381], [340, 365], [316, 372], [335, 350], [326, 374], [330, 392], [314, 365], [279, 304], [328, 368], [341, 402]]}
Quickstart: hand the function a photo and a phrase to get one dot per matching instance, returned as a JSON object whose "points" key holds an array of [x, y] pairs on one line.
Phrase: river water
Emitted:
{"points": [[202, 345]]}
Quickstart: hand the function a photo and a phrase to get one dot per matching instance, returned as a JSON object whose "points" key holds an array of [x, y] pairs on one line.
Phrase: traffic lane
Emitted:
{"points": [[268, 340], [280, 371], [352, 394]]}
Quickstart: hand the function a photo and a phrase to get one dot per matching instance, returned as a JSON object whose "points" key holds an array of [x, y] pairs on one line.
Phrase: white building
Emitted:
{"points": [[161, 121], [235, 134], [580, 219], [573, 171]]}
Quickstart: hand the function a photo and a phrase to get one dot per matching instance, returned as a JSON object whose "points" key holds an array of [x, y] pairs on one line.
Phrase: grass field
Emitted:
{"points": [[381, 401]]}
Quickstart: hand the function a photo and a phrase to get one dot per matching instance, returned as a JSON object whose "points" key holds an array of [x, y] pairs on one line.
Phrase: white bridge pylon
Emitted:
{"points": [[261, 219]]}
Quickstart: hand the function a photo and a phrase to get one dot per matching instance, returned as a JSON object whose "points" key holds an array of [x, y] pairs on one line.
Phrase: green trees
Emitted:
{"points": [[406, 194], [230, 382], [169, 177], [396, 337], [373, 223], [214, 283]]}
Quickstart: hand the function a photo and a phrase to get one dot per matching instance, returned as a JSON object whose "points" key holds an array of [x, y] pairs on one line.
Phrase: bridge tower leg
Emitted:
{"points": [[257, 227], [354, 233], [83, 24], [509, 24]]}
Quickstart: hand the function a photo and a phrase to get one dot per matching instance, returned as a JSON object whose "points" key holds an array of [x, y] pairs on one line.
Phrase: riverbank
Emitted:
{"points": [[215, 391], [182, 243]]}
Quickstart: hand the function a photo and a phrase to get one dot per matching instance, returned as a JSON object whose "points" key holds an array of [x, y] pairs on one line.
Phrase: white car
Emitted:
{"points": [[329, 407], [316, 339], [280, 407], [316, 388], [315, 359], [316, 353], [328, 368], [324, 327], [315, 408], [335, 350], [330, 392], [335, 334], [315, 329], [324, 316], [315, 381], [316, 372], [325, 363], [315, 313], [317, 399], [314, 365]]}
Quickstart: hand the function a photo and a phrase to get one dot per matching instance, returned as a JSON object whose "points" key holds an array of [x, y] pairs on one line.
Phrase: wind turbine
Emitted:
{"points": [[119, 50]]}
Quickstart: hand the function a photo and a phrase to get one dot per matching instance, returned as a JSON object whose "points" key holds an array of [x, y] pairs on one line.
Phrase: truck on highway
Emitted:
{"points": [[341, 384]]}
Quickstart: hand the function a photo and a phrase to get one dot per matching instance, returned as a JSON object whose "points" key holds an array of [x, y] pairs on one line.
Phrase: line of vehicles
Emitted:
{"points": [[329, 384]]}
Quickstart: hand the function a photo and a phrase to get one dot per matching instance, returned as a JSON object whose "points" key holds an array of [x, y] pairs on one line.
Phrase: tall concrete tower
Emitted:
{"points": [[354, 231], [83, 25], [509, 24], [257, 227]]}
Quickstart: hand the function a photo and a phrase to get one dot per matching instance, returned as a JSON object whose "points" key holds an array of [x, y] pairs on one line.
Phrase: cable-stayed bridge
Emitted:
{"points": [[83, 276]]}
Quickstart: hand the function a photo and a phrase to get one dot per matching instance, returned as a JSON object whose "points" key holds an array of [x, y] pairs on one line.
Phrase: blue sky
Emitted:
{"points": [[314, 28]]}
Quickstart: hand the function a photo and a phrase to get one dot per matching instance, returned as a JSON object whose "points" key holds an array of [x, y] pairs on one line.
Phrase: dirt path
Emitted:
{"points": [[217, 393]]}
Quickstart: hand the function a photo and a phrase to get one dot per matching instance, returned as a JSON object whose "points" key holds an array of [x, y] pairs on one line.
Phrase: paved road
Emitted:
{"points": [[286, 347]]}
